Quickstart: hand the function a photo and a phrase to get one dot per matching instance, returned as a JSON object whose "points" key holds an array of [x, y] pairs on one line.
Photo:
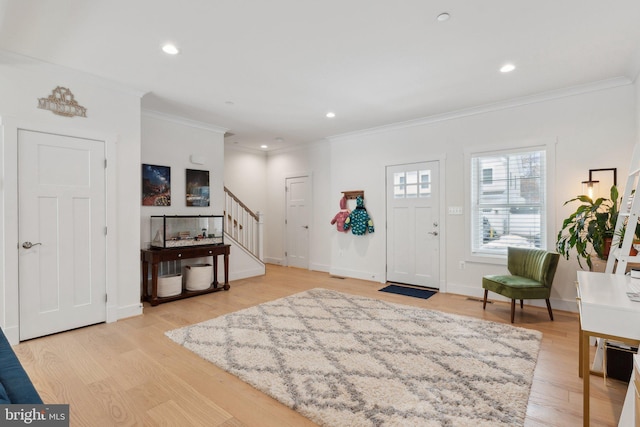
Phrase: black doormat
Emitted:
{"points": [[410, 292]]}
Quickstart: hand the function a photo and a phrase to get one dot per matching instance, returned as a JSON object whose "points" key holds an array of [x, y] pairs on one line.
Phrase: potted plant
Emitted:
{"points": [[590, 228]]}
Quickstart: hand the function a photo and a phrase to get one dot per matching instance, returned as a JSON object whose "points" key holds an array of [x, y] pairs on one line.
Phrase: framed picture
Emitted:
{"points": [[156, 185], [197, 191]]}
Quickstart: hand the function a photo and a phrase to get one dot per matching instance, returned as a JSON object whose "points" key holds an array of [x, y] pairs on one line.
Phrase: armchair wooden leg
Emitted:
{"points": [[521, 304], [549, 308], [513, 309], [484, 304]]}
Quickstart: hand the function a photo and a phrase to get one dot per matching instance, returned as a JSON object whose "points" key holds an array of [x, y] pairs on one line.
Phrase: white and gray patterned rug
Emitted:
{"points": [[345, 360]]}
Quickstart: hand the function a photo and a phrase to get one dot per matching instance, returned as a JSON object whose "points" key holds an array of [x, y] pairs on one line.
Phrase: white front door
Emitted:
{"points": [[62, 226], [297, 222], [413, 224]]}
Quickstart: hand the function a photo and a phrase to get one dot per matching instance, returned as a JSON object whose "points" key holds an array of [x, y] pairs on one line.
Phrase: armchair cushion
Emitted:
{"points": [[516, 287]]}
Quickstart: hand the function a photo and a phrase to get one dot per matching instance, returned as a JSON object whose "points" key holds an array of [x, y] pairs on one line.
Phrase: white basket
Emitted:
{"points": [[198, 276], [169, 285]]}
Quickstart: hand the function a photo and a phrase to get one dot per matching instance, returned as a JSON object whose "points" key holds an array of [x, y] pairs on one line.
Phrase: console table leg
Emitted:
{"points": [[154, 284], [145, 279], [226, 272], [215, 271]]}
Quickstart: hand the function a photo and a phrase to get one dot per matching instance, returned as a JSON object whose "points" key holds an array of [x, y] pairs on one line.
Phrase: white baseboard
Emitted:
{"points": [[355, 274], [276, 261], [319, 267], [129, 311], [13, 334], [243, 274]]}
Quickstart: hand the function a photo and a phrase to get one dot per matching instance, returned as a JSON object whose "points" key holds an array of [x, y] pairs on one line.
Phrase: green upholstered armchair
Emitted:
{"points": [[531, 277]]}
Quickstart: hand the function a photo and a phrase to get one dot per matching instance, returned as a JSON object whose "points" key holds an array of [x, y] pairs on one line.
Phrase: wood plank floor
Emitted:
{"points": [[129, 373]]}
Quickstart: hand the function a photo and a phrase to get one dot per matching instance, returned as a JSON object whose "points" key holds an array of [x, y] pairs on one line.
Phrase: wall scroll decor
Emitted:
{"points": [[62, 102]]}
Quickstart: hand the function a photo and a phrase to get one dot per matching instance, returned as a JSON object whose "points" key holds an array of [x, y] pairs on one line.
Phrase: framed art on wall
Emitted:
{"points": [[197, 189], [156, 185]]}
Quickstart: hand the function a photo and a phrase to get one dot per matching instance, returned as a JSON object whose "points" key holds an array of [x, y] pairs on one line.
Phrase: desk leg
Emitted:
{"points": [[580, 338], [584, 359], [226, 272]]}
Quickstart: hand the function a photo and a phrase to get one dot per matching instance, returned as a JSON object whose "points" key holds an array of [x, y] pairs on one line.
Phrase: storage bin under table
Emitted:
{"points": [[156, 256], [170, 285], [198, 277]]}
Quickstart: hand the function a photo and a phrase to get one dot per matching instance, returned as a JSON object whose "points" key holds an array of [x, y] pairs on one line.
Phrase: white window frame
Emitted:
{"points": [[548, 218]]}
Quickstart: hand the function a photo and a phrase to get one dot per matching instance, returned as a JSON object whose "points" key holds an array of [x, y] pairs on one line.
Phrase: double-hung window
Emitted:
{"points": [[508, 200]]}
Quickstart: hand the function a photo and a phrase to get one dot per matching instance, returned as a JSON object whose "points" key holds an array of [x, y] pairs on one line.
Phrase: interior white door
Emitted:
{"points": [[62, 227], [297, 222], [413, 224]]}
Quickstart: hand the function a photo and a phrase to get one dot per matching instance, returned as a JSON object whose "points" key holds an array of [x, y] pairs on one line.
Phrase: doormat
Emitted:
{"points": [[410, 292]]}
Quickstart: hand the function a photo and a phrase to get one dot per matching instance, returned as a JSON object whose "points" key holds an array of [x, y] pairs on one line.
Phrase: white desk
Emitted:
{"points": [[605, 312]]}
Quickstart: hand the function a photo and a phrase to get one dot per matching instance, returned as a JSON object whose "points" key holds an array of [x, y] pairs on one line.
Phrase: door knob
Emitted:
{"points": [[305, 226], [435, 233], [29, 245]]}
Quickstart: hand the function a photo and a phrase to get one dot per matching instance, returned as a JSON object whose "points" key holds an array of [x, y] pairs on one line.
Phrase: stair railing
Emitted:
{"points": [[243, 225]]}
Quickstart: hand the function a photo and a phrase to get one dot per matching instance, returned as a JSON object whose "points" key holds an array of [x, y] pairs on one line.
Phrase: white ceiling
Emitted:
{"points": [[284, 63]]}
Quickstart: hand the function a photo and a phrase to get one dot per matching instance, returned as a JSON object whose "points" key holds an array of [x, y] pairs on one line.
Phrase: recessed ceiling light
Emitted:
{"points": [[507, 68], [444, 16], [331, 115], [264, 146], [170, 49]]}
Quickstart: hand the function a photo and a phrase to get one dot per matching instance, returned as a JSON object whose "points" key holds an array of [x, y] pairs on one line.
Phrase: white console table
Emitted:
{"points": [[605, 312]]}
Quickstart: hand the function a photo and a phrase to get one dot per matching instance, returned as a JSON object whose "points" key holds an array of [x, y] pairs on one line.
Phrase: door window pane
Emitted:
{"points": [[399, 180], [425, 183]]}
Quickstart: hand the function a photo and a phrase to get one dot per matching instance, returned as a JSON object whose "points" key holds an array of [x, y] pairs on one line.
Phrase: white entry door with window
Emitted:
{"points": [[413, 224], [62, 226], [297, 222]]}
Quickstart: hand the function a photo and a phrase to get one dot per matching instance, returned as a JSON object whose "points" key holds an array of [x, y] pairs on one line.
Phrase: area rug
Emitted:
{"points": [[346, 360], [408, 291]]}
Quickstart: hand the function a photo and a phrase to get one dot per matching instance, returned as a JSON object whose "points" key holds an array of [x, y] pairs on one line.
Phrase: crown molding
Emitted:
{"points": [[27, 63], [487, 108], [230, 146], [298, 147], [183, 121]]}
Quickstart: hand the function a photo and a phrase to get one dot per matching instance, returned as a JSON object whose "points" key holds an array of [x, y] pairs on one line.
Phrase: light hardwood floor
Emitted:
{"points": [[129, 373]]}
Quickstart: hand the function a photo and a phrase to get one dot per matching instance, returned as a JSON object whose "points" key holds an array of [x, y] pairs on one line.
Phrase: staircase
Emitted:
{"points": [[243, 225], [619, 255]]}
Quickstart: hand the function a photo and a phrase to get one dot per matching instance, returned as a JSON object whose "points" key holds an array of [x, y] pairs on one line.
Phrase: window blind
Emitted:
{"points": [[508, 200]]}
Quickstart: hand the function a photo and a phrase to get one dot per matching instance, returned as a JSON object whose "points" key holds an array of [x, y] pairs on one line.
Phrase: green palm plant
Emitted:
{"points": [[590, 228]]}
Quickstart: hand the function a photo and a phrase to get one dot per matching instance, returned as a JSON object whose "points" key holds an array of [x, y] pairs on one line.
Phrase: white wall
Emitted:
{"points": [[112, 113], [169, 141], [312, 160], [245, 174], [595, 127], [637, 86]]}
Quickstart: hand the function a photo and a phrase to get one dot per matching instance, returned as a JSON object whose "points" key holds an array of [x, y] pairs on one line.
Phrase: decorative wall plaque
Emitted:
{"points": [[62, 103]]}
